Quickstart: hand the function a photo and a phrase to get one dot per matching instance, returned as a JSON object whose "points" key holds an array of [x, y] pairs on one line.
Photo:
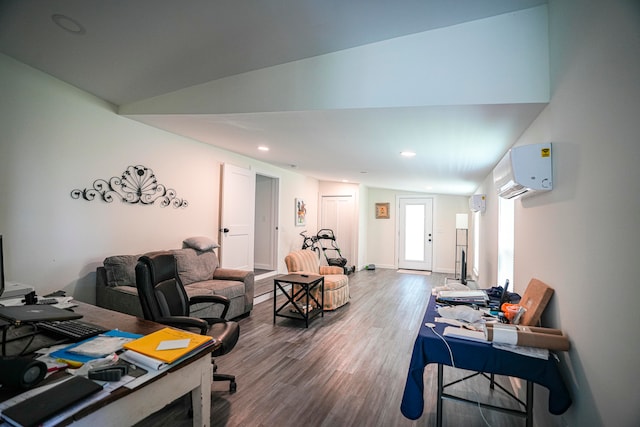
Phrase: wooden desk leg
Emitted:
{"points": [[439, 401], [529, 421], [201, 395]]}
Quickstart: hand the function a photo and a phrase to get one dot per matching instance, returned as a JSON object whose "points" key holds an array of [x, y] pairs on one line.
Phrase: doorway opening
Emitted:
{"points": [[265, 245]]}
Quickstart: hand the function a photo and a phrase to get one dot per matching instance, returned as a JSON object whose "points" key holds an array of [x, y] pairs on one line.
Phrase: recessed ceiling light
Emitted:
{"points": [[263, 148], [68, 24], [345, 180], [407, 153]]}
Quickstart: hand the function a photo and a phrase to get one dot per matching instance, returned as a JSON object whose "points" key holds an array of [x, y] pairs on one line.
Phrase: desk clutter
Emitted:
{"points": [[465, 336], [90, 369], [491, 316]]}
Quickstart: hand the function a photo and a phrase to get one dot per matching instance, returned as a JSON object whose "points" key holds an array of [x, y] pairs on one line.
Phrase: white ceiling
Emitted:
{"points": [[147, 56]]}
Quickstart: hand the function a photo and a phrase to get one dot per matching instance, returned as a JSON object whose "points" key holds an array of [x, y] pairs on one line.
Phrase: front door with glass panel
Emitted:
{"points": [[415, 245]]}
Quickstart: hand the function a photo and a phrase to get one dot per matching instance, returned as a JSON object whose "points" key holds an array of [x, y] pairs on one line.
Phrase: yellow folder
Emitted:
{"points": [[148, 345]]}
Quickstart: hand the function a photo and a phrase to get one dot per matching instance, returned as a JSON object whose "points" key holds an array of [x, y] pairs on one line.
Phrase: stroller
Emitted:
{"points": [[310, 242], [326, 240]]}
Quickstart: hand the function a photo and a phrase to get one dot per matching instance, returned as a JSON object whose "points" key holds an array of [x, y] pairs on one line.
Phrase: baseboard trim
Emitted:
{"points": [[268, 296], [266, 275]]}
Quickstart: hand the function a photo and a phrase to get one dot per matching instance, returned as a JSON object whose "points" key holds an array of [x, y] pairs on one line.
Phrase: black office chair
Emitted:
{"points": [[164, 300]]}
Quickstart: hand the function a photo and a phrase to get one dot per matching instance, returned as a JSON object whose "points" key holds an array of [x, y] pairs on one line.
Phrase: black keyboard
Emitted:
{"points": [[74, 329]]}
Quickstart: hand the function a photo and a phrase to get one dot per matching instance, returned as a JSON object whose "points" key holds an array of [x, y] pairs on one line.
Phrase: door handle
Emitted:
{"points": [[224, 230]]}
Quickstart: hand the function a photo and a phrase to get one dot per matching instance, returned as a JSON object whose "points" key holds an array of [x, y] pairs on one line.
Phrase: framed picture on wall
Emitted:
{"points": [[382, 210], [300, 212]]}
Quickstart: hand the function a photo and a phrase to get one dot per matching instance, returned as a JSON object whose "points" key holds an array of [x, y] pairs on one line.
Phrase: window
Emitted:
{"points": [[414, 232], [505, 240]]}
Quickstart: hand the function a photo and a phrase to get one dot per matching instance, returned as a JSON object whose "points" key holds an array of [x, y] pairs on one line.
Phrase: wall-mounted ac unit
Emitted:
{"points": [[524, 171], [478, 203]]}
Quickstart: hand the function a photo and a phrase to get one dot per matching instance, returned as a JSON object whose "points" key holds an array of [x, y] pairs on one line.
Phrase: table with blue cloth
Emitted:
{"points": [[482, 358]]}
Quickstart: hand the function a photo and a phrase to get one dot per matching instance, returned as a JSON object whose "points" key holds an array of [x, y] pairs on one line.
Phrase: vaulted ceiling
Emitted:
{"points": [[335, 89]]}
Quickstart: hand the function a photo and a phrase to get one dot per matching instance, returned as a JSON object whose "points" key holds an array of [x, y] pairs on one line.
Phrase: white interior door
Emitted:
{"points": [[415, 246], [338, 215], [237, 211]]}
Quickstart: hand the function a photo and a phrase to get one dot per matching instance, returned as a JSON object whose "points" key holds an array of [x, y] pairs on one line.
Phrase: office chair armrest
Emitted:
{"points": [[184, 322], [212, 299]]}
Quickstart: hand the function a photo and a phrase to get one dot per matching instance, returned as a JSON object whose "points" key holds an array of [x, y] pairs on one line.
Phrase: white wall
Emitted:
{"points": [[381, 233], [488, 242], [290, 189], [56, 138], [363, 226], [582, 237]]}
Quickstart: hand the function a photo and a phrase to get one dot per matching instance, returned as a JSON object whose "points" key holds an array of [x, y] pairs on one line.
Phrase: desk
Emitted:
{"points": [[479, 357], [293, 298], [126, 407]]}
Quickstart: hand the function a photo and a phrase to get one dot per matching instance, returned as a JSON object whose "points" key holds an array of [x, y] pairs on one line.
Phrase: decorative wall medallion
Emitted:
{"points": [[137, 184]]}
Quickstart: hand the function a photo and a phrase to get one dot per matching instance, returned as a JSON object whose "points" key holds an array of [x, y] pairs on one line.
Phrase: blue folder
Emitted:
{"points": [[66, 355]]}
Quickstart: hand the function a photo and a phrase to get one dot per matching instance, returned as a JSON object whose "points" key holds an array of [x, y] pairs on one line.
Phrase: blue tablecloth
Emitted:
{"points": [[479, 357]]}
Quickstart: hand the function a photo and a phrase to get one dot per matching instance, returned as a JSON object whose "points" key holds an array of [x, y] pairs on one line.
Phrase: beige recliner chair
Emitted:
{"points": [[336, 284]]}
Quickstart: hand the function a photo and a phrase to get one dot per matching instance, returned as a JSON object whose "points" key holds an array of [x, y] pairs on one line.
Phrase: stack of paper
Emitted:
{"points": [[465, 334], [164, 347], [69, 353]]}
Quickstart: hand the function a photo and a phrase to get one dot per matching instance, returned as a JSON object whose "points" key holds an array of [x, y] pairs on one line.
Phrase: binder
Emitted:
{"points": [[148, 345]]}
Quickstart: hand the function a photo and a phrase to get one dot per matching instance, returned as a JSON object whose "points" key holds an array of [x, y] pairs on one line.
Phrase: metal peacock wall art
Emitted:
{"points": [[137, 185]]}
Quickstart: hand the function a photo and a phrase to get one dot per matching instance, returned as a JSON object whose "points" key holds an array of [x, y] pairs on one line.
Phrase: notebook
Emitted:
{"points": [[18, 314]]}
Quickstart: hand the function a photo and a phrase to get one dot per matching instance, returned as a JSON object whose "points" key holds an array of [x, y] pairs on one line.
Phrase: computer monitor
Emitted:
{"points": [[1, 268], [505, 293]]}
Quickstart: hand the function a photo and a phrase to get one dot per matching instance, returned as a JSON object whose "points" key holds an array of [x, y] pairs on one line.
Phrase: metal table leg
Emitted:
{"points": [[439, 401], [529, 420]]}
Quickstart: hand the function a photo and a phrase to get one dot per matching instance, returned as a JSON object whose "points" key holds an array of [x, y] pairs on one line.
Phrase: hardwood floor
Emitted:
{"points": [[347, 369]]}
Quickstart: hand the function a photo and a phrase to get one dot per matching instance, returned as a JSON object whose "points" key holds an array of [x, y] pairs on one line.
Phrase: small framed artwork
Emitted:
{"points": [[301, 212], [382, 210]]}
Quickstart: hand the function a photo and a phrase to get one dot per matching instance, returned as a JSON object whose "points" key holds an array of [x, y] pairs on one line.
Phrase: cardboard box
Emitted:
{"points": [[534, 300], [528, 336]]}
